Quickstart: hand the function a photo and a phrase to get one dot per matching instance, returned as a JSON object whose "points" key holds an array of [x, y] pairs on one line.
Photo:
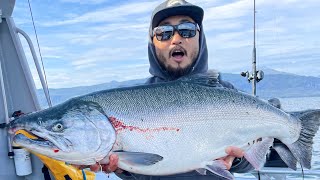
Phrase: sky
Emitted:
{"points": [[87, 42]]}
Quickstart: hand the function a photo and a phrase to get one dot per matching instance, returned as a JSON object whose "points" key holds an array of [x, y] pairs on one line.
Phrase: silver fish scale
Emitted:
{"points": [[171, 98], [198, 120]]}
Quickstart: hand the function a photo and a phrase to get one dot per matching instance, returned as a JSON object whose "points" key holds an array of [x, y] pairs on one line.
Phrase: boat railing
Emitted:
{"points": [[279, 170], [36, 61]]}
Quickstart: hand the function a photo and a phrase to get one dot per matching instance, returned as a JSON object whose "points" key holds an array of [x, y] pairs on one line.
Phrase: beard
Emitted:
{"points": [[176, 72]]}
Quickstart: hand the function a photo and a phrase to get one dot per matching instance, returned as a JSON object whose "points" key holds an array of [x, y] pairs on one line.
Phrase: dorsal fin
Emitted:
{"points": [[209, 78]]}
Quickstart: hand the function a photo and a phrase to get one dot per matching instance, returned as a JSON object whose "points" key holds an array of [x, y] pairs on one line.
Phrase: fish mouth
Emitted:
{"points": [[36, 140], [23, 140]]}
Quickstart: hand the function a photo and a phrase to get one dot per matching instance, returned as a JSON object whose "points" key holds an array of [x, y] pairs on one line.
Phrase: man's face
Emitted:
{"points": [[177, 54]]}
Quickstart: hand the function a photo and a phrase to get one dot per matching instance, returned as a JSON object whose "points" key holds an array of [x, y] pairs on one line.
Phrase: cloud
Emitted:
{"points": [[84, 1], [285, 33], [58, 78], [107, 40], [106, 32], [108, 14], [106, 55]]}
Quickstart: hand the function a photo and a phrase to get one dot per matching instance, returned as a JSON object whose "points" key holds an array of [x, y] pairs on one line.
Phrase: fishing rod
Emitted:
{"points": [[255, 76]]}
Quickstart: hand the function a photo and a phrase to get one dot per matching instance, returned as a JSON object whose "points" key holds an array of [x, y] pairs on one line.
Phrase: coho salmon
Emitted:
{"points": [[168, 128]]}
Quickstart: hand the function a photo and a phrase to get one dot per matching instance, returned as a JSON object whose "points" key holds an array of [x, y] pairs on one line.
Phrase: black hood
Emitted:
{"points": [[200, 65]]}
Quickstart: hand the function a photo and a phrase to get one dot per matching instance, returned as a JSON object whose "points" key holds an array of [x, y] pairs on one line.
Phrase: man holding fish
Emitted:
{"points": [[177, 47], [185, 123]]}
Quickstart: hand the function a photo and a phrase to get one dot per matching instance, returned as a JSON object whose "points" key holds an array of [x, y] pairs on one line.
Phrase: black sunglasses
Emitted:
{"points": [[185, 30]]}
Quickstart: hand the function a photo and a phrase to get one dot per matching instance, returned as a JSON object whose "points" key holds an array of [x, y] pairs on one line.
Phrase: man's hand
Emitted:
{"points": [[232, 152], [111, 167]]}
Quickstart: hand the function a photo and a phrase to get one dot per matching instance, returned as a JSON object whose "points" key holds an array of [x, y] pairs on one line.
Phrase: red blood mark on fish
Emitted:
{"points": [[56, 150], [120, 126]]}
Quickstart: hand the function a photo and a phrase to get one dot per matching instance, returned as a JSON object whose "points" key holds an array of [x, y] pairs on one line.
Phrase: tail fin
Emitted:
{"points": [[302, 148]]}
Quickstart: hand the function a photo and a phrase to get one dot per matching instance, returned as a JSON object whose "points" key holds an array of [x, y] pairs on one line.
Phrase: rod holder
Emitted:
{"points": [[250, 77]]}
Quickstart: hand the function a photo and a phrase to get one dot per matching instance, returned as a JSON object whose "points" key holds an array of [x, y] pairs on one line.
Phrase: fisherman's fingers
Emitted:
{"points": [[112, 165], [227, 161], [234, 151], [95, 168]]}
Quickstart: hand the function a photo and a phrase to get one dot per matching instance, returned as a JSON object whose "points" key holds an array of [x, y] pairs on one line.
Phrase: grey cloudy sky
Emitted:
{"points": [[86, 42]]}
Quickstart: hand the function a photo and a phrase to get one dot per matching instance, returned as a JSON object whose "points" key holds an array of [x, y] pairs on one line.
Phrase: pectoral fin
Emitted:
{"points": [[286, 155], [256, 155], [138, 158], [217, 167]]}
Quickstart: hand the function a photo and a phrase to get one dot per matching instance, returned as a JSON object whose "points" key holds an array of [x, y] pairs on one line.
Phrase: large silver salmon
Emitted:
{"points": [[168, 128]]}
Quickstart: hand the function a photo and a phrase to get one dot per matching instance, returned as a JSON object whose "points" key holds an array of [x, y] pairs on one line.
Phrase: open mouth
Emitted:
{"points": [[25, 141], [178, 54], [27, 134], [28, 139]]}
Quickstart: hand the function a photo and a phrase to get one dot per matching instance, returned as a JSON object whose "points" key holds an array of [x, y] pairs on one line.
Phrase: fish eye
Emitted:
{"points": [[39, 123], [58, 127]]}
